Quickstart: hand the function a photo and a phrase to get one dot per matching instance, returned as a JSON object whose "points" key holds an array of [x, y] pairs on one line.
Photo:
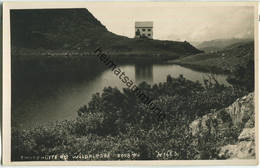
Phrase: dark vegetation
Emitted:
{"points": [[243, 77], [117, 122]]}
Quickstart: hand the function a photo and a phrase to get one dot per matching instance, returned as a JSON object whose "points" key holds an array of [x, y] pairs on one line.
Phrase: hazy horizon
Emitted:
{"points": [[193, 24]]}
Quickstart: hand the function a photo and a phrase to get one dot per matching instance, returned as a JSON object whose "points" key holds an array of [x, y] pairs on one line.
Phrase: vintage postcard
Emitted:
{"points": [[130, 83]]}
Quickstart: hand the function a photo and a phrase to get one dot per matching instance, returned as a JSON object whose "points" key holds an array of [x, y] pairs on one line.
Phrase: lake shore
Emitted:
{"points": [[82, 83], [200, 67]]}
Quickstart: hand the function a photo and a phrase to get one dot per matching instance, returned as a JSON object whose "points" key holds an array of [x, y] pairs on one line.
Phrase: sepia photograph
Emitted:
{"points": [[130, 81]]}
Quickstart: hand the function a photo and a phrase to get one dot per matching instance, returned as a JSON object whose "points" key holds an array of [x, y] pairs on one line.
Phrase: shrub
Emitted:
{"points": [[118, 122], [243, 77]]}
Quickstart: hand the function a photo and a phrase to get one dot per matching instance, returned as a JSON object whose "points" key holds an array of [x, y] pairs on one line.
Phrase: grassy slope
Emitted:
{"points": [[225, 60], [57, 30]]}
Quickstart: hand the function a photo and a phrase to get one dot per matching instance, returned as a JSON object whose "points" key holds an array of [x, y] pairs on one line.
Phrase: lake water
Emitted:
{"points": [[50, 103]]}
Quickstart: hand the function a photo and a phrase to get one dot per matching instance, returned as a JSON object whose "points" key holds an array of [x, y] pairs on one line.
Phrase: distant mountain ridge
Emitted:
{"points": [[219, 44], [78, 29]]}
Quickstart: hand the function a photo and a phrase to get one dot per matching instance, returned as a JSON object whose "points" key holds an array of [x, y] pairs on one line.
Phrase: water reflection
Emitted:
{"points": [[144, 73], [42, 102]]}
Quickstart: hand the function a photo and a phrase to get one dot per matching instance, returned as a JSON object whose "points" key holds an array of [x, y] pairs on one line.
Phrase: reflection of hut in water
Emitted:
{"points": [[144, 73]]}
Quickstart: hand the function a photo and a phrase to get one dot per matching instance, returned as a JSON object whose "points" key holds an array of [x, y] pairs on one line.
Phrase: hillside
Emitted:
{"points": [[219, 44], [59, 30], [225, 60]]}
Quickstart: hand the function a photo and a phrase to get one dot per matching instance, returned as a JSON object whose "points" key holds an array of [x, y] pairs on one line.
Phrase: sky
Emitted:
{"points": [[178, 22]]}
